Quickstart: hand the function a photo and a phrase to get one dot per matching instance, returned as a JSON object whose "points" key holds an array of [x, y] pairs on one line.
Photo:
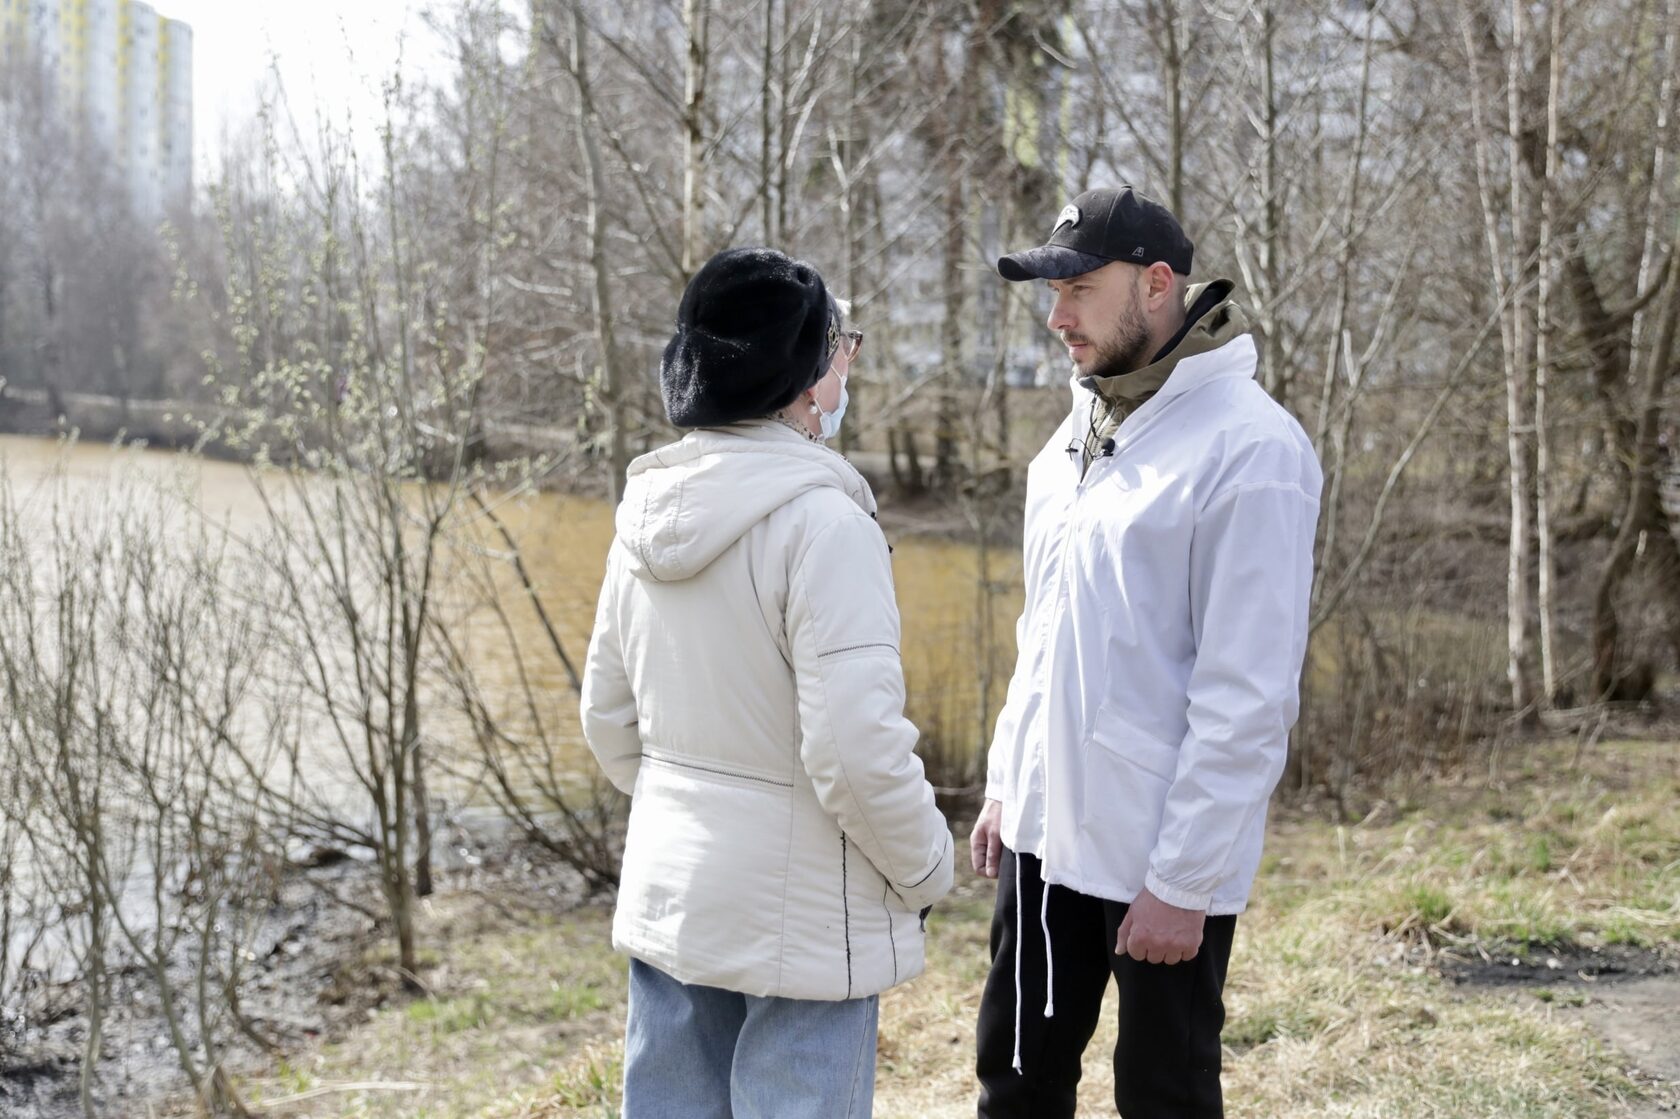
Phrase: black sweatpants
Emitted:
{"points": [[1166, 1061]]}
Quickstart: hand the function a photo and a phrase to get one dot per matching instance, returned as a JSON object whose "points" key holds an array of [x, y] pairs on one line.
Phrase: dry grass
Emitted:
{"points": [[515, 993], [1337, 1007], [1334, 1007]]}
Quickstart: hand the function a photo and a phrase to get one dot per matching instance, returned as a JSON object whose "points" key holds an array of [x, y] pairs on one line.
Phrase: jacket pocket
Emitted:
{"points": [[1127, 776], [1114, 733]]}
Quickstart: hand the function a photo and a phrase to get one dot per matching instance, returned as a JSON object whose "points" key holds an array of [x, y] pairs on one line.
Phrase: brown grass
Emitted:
{"points": [[1337, 1005]]}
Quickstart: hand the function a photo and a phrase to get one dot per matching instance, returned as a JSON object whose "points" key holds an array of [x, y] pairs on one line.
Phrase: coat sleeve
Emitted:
{"points": [[1250, 582], [608, 708], [856, 744]]}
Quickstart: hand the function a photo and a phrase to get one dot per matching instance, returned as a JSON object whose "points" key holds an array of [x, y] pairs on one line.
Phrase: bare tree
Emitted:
{"points": [[609, 378], [128, 667], [697, 31], [1543, 359]]}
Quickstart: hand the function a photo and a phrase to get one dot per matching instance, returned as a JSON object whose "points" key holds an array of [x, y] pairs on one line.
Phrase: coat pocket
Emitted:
{"points": [[1116, 734], [1127, 776]]}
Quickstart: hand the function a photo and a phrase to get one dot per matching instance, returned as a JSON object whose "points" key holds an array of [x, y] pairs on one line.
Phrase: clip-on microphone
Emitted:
{"points": [[1105, 449]]}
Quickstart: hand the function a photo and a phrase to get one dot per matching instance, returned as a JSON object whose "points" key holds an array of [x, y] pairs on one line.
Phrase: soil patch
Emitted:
{"points": [[1641, 1019], [1629, 996], [1560, 964], [319, 970], [302, 942]]}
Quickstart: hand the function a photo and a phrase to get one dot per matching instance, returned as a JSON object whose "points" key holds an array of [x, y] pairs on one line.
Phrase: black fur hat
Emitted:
{"points": [[753, 332]]}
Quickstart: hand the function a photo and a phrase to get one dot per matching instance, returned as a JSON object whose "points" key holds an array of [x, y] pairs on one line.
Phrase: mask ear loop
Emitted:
{"points": [[816, 409]]}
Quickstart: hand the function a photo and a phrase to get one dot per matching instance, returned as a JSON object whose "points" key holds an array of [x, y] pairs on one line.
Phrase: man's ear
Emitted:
{"points": [[1160, 284]]}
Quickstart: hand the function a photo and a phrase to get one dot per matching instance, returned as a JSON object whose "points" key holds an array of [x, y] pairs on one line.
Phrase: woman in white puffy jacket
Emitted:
{"points": [[743, 685]]}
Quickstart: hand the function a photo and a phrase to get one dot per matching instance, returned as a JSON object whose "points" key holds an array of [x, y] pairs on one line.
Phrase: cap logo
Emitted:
{"points": [[1068, 217], [1137, 253]]}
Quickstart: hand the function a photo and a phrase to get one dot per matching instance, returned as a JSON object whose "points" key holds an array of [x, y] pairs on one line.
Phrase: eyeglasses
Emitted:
{"points": [[848, 342]]}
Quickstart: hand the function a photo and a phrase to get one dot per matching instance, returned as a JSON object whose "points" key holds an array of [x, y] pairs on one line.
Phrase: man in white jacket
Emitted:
{"points": [[743, 685], [1168, 562]]}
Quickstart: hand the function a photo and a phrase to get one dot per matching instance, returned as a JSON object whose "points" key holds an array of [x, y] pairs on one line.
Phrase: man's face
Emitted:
{"points": [[1099, 318]]}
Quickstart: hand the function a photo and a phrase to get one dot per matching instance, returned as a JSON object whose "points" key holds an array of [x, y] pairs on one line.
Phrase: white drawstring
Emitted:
{"points": [[1049, 960], [1017, 1061], [1049, 957]]}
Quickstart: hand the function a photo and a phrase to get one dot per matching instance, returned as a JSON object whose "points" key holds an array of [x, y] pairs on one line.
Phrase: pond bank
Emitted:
{"points": [[318, 969]]}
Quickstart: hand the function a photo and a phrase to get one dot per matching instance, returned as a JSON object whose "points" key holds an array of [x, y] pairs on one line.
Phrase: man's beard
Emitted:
{"points": [[1126, 351]]}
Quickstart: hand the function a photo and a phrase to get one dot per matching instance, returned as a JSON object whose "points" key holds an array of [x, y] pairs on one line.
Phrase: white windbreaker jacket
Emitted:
{"points": [[1161, 642], [743, 685]]}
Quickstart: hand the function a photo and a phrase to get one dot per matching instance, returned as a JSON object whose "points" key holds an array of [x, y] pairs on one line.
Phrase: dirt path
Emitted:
{"points": [[1640, 1018], [1630, 997]]}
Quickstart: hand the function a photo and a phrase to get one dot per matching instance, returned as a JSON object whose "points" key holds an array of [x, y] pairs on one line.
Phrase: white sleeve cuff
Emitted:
{"points": [[1184, 899]]}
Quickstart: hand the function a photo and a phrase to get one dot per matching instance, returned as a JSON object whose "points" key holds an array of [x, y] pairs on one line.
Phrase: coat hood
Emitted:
{"points": [[687, 502], [1212, 319]]}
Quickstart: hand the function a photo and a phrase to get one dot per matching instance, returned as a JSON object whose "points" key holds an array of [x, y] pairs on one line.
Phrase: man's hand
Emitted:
{"points": [[1156, 932], [985, 843]]}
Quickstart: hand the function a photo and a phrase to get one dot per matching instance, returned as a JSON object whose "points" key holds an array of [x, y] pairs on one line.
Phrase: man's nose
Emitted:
{"points": [[1060, 317]]}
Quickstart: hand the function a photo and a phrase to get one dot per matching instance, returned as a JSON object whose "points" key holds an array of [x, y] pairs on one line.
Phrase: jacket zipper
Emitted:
{"points": [[1050, 651]]}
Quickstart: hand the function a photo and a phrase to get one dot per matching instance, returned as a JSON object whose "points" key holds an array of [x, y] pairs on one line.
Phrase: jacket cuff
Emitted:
{"points": [[1172, 895], [994, 789], [624, 776], [934, 884]]}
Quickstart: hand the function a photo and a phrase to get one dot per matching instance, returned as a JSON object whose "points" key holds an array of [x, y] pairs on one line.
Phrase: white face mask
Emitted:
{"points": [[830, 421]]}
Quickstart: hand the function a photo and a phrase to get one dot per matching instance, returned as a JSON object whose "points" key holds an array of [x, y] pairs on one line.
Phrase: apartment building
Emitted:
{"points": [[122, 75]]}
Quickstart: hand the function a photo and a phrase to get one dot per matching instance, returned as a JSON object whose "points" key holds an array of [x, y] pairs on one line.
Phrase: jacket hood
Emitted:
{"points": [[687, 502], [1212, 319]]}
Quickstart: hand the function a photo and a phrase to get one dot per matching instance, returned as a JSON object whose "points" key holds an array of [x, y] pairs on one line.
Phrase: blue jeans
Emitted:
{"points": [[694, 1052]]}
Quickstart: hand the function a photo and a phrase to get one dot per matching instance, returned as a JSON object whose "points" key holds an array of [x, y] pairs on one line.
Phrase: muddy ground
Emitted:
{"points": [[1630, 996], [318, 968], [318, 972]]}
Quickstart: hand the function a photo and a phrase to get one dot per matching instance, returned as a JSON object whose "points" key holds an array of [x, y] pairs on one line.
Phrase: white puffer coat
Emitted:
{"points": [[743, 685]]}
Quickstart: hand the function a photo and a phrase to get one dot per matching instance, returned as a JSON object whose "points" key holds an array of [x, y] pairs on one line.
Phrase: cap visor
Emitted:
{"points": [[1048, 262]]}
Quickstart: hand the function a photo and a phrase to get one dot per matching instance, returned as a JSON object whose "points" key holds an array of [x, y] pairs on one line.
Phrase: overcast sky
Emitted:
{"points": [[331, 54]]}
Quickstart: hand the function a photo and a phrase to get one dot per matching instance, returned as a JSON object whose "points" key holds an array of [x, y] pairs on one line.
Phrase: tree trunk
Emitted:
{"points": [[769, 114], [1542, 366], [1644, 509], [1172, 61], [94, 982], [945, 455], [1516, 385], [402, 913], [908, 478], [1340, 345], [1277, 372], [697, 29], [610, 380], [1655, 208], [422, 826]]}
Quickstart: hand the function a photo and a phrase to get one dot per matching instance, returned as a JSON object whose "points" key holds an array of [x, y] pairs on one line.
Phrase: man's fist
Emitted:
{"points": [[985, 843], [1157, 933]]}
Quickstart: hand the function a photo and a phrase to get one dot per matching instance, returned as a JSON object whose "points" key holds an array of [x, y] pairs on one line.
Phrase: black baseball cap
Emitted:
{"points": [[1098, 228]]}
